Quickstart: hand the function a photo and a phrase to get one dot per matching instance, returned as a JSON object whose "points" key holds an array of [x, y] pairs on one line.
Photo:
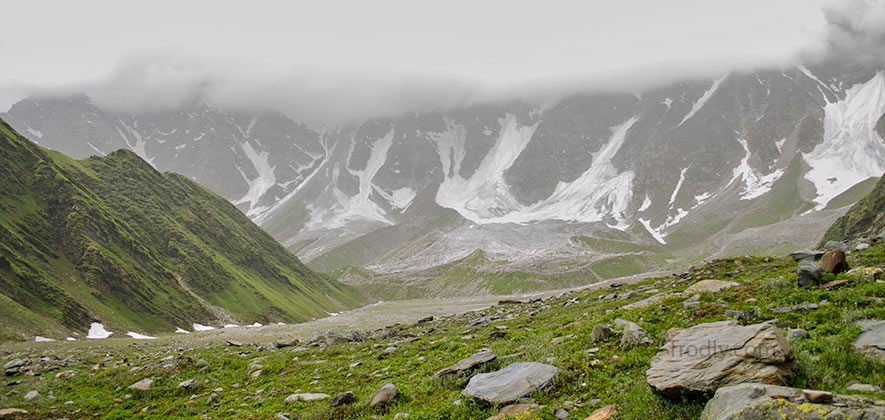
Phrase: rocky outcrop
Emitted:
{"points": [[703, 358], [511, 383], [759, 402], [871, 341]]}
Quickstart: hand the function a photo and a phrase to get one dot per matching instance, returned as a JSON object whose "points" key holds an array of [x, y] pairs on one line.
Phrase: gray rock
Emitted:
{"points": [[5, 412], [796, 334], [142, 385], [601, 332], [807, 254], [758, 402], [511, 383], [13, 367], [189, 384], [861, 246], [478, 359], [808, 273], [864, 388], [632, 334], [702, 358], [658, 298], [307, 396], [31, 395], [343, 398], [709, 286], [384, 396], [871, 341], [562, 414]]}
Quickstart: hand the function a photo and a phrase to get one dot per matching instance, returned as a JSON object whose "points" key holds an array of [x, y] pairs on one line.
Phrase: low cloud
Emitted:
{"points": [[854, 34]]}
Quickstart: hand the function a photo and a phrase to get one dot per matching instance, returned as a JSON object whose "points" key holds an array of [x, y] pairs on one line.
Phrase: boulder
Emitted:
{"points": [[601, 332], [871, 341], [864, 388], [796, 334], [808, 274], [603, 413], [13, 367], [189, 384], [758, 402], [835, 245], [7, 412], [385, 395], [478, 359], [514, 411], [709, 286], [700, 359], [287, 343], [658, 298], [807, 254], [142, 385], [333, 339], [511, 383], [306, 397], [834, 262], [31, 395], [632, 334], [343, 398], [866, 273]]}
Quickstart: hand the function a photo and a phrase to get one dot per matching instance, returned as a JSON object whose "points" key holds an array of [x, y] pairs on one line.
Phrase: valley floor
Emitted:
{"points": [[234, 373]]}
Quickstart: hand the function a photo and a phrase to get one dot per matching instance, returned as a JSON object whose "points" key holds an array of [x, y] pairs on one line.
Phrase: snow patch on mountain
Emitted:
{"points": [[755, 183], [703, 100], [852, 151], [399, 199], [646, 203], [137, 142], [261, 183], [345, 209], [654, 232], [97, 331], [599, 192], [678, 186]]}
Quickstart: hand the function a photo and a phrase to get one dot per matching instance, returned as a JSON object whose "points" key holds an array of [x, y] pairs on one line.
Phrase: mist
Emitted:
{"points": [[390, 73]]}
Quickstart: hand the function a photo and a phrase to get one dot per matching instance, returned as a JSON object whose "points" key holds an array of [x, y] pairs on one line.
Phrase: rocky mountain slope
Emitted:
{"points": [[678, 165], [865, 218], [112, 240]]}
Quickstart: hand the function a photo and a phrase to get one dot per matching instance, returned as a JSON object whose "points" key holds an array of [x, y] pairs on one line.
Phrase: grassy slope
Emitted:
{"points": [[826, 359], [108, 238], [866, 217]]}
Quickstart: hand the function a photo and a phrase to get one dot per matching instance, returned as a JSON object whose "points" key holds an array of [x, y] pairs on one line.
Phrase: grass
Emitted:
{"points": [[585, 381]]}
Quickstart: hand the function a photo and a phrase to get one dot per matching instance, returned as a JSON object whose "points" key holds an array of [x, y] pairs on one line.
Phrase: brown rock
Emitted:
{"points": [[603, 413], [513, 411], [834, 262], [384, 396]]}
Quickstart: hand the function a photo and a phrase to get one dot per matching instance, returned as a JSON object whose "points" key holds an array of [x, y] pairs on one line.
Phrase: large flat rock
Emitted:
{"points": [[871, 341], [700, 359], [764, 402], [511, 383], [478, 359]]}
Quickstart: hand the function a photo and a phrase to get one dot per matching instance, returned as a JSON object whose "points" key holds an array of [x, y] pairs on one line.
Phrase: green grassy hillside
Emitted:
{"points": [[110, 239], [866, 217]]}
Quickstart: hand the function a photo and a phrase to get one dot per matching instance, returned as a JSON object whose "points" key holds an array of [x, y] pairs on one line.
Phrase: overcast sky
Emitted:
{"points": [[355, 58]]}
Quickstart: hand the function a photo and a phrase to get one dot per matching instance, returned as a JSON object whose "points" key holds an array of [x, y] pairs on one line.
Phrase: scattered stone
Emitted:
{"points": [[834, 262], [562, 414], [287, 343], [658, 298], [702, 358], [189, 384], [13, 367], [808, 274], [866, 273], [839, 246], [510, 383], [514, 411], [234, 343], [871, 341], [343, 398], [202, 363], [430, 318], [758, 401], [818, 397], [864, 388], [306, 397], [861, 246], [807, 254], [742, 316], [632, 334], [142, 385], [5, 412], [604, 413], [796, 334], [478, 359], [31, 395], [560, 340], [835, 283], [384, 396], [709, 286], [281, 416], [333, 339], [601, 332]]}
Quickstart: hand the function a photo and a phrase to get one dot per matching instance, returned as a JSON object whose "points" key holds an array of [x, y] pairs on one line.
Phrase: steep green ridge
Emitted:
{"points": [[866, 217], [110, 239]]}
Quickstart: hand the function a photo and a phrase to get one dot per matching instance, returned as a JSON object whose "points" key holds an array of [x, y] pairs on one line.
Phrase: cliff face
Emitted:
{"points": [[865, 218]]}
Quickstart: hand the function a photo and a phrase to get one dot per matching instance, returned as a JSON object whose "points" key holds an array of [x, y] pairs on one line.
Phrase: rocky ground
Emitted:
{"points": [[732, 339]]}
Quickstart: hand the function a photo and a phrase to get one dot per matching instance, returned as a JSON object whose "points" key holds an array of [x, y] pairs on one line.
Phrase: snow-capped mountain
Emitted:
{"points": [[673, 165]]}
